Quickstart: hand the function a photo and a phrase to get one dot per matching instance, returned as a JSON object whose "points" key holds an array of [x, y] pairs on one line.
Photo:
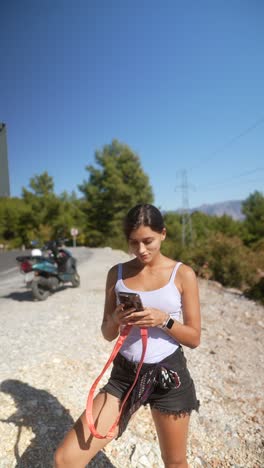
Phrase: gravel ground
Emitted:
{"points": [[52, 351]]}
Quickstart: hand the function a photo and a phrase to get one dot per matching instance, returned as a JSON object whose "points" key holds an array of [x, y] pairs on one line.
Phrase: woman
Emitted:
{"points": [[166, 288]]}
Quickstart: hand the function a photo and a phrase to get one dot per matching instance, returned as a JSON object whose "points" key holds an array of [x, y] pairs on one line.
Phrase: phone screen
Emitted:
{"points": [[130, 300]]}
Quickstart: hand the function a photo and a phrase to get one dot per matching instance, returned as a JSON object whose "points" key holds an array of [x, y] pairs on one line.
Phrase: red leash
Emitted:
{"points": [[89, 406]]}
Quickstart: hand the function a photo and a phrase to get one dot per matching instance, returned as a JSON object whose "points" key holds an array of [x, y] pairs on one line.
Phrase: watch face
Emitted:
{"points": [[170, 323]]}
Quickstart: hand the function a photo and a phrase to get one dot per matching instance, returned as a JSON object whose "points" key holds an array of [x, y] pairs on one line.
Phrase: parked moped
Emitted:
{"points": [[44, 273]]}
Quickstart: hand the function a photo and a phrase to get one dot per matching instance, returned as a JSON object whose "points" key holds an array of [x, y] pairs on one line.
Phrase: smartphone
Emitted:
{"points": [[130, 300]]}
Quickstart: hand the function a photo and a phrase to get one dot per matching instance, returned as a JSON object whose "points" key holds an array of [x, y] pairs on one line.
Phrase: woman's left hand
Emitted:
{"points": [[148, 317]]}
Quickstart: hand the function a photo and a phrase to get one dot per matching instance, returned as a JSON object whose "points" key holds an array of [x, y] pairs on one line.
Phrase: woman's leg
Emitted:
{"points": [[172, 432], [79, 446]]}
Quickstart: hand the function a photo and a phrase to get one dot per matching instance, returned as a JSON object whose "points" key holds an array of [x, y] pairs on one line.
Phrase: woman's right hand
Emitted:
{"points": [[120, 315]]}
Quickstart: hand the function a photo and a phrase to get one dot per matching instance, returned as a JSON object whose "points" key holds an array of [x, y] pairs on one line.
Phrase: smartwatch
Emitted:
{"points": [[169, 323]]}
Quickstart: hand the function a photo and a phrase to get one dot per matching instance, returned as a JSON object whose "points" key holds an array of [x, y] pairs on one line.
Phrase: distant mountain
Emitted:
{"points": [[231, 208]]}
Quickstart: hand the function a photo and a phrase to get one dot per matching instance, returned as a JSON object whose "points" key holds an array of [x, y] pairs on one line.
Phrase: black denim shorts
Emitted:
{"points": [[179, 400]]}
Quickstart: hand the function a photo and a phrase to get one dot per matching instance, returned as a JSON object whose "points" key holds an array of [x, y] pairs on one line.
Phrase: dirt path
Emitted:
{"points": [[52, 351]]}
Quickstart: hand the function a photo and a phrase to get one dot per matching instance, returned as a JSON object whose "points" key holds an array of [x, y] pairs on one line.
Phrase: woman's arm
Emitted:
{"points": [[110, 326]]}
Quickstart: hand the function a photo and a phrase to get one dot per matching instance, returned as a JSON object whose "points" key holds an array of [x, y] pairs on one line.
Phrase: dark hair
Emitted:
{"points": [[143, 215]]}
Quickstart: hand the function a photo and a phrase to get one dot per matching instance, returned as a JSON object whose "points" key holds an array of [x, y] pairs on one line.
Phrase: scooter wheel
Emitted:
{"points": [[38, 291], [76, 280]]}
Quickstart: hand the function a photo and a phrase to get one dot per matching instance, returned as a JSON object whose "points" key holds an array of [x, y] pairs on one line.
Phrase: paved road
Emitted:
{"points": [[8, 259], [11, 278]]}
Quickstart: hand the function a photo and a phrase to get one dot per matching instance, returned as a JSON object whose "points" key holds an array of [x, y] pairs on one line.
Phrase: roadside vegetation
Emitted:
{"points": [[218, 248]]}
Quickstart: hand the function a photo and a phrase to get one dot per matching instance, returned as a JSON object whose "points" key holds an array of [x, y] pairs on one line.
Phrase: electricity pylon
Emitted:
{"points": [[187, 232]]}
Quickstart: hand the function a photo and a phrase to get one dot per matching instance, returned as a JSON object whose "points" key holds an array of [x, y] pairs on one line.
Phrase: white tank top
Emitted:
{"points": [[160, 345]]}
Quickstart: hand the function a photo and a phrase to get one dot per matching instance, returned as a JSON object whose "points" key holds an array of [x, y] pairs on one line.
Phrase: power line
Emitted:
{"points": [[231, 142], [258, 169], [218, 183], [223, 185]]}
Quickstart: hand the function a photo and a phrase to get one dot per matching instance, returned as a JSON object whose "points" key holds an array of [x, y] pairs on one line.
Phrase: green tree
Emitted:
{"points": [[11, 212], [203, 225], [228, 226], [48, 216], [71, 214], [173, 245], [115, 185], [44, 207], [42, 185], [38, 218], [41, 199], [253, 209]]}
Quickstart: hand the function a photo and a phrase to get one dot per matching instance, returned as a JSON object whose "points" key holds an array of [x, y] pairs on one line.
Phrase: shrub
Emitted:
{"points": [[256, 291]]}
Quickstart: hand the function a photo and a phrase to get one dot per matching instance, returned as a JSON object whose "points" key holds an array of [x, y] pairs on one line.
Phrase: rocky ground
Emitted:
{"points": [[52, 351]]}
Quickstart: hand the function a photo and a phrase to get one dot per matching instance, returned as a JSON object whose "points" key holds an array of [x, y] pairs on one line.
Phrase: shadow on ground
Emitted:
{"points": [[22, 296], [41, 412]]}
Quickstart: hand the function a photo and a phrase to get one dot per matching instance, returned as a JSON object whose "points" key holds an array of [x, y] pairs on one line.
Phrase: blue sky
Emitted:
{"points": [[180, 82]]}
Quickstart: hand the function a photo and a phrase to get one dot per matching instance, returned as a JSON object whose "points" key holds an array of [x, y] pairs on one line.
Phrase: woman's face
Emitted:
{"points": [[145, 243]]}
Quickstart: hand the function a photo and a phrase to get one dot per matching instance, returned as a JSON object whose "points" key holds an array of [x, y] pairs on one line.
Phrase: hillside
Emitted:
{"points": [[231, 208]]}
